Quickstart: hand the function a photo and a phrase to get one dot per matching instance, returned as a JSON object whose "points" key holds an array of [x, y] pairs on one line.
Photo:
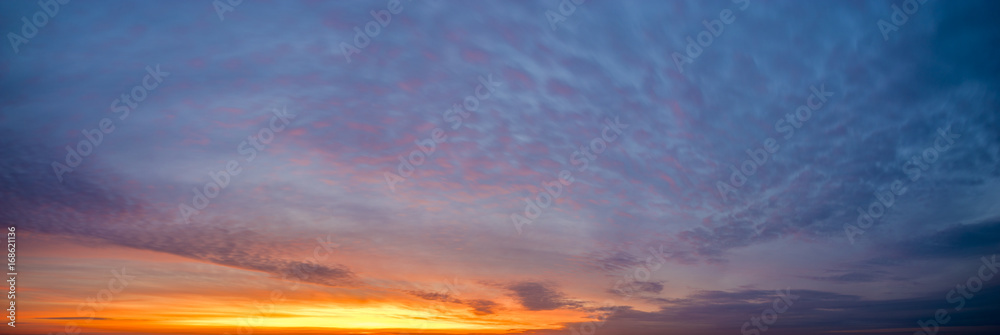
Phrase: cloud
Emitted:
{"points": [[709, 312], [443, 297], [852, 277], [536, 296], [479, 306], [646, 286], [951, 241], [651, 287], [482, 306]]}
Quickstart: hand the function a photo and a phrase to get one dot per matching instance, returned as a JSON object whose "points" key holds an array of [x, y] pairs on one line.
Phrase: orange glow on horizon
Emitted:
{"points": [[164, 298]]}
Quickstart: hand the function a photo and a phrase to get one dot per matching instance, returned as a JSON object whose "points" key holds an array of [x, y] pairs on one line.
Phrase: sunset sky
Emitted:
{"points": [[501, 167]]}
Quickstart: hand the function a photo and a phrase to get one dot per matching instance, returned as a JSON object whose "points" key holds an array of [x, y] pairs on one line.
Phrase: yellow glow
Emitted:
{"points": [[215, 306], [386, 317]]}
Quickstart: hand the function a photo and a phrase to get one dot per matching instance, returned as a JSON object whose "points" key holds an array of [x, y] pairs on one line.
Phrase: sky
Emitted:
{"points": [[500, 167]]}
